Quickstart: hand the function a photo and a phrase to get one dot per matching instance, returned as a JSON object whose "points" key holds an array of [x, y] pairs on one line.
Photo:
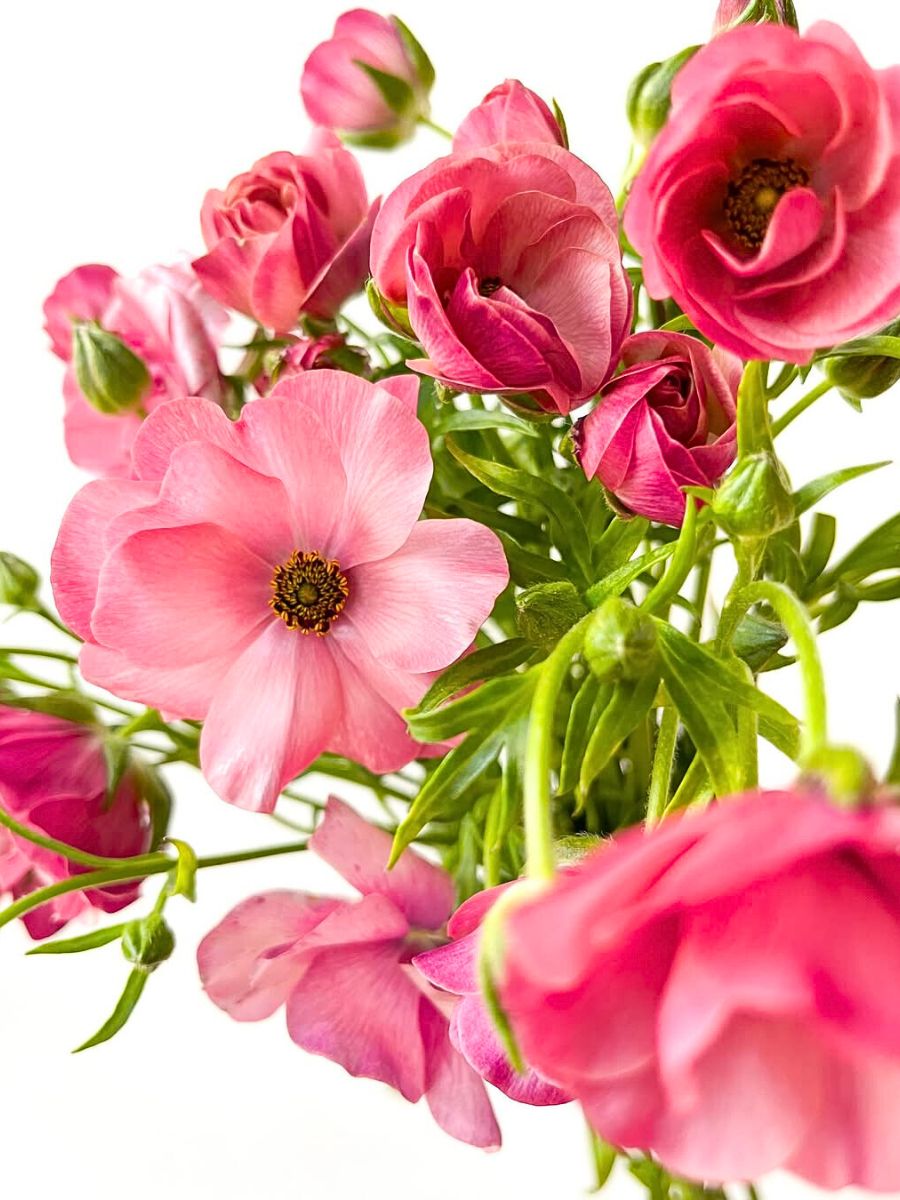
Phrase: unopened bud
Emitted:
{"points": [[755, 500], [546, 611], [732, 13], [394, 316], [148, 942], [861, 376], [650, 96], [620, 642], [19, 581], [112, 378], [844, 773], [574, 847]]}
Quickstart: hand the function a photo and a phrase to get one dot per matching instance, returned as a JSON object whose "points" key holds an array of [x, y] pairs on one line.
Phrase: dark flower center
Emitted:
{"points": [[309, 592], [753, 195], [487, 287]]}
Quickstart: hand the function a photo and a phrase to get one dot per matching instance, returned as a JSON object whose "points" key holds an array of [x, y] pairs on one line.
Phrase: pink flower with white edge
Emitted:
{"points": [[53, 780], [339, 93], [507, 259], [769, 205], [342, 970], [510, 112], [290, 236], [164, 316], [270, 577], [454, 968]]}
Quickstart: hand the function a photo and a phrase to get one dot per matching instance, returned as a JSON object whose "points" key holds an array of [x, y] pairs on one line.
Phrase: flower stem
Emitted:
{"points": [[433, 125], [55, 621], [72, 853], [56, 655], [680, 565], [801, 406], [658, 794]]}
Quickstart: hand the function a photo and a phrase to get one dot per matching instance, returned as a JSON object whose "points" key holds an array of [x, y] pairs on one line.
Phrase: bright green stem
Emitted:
{"points": [[667, 588], [54, 654], [658, 795], [801, 406], [55, 621], [429, 124], [692, 787], [72, 853], [701, 588], [794, 617], [539, 860], [753, 430]]}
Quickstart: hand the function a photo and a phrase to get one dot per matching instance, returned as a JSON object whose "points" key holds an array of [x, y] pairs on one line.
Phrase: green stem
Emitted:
{"points": [[682, 561], [72, 853], [666, 739], [701, 587], [54, 654], [692, 787], [433, 125], [801, 406], [539, 859], [753, 431], [55, 621]]}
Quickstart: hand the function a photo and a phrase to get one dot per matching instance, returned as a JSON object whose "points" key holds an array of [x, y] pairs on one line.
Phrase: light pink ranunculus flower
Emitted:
{"points": [[53, 780], [270, 576], [723, 992], [290, 236], [338, 93], [769, 205], [453, 967], [510, 112], [342, 970], [666, 422], [507, 258], [164, 316]]}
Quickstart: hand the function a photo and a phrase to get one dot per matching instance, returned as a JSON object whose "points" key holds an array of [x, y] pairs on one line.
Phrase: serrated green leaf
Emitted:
{"points": [[617, 545], [879, 551], [123, 1010], [526, 568], [811, 493], [488, 703], [456, 420], [841, 609], [394, 91], [477, 667], [630, 702], [85, 941]]}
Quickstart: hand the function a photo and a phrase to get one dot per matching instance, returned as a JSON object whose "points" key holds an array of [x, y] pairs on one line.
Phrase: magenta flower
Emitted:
{"points": [[769, 205], [510, 112], [53, 779], [270, 577], [666, 422], [454, 968], [340, 94], [342, 970], [162, 315], [290, 236], [723, 991], [507, 258]]}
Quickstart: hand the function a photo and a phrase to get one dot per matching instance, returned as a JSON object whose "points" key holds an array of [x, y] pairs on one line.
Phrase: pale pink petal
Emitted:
{"points": [[171, 425], [456, 1095], [477, 1040]]}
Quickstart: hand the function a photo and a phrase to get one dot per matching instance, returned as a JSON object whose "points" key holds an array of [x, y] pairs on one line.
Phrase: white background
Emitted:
{"points": [[116, 119]]}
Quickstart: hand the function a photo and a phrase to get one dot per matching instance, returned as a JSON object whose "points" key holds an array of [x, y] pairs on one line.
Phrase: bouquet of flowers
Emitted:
{"points": [[459, 553]]}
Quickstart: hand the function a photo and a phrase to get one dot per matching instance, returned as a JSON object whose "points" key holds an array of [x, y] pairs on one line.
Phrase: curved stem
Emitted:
{"points": [[658, 794], [753, 431], [72, 853], [801, 406], [433, 125], [54, 620], [56, 655], [680, 565]]}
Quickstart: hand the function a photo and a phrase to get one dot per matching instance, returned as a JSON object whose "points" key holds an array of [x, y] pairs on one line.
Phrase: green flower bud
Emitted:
{"points": [[112, 377], [845, 774], [756, 639], [19, 581], [573, 848], [649, 97], [755, 500], [620, 642], [861, 376], [394, 316], [148, 942], [546, 611]]}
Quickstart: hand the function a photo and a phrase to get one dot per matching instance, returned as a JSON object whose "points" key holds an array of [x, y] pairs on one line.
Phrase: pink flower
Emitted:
{"points": [[162, 315], [733, 12], [290, 236], [342, 969], [769, 205], [53, 779], [339, 93], [308, 354], [453, 967], [508, 260], [270, 577], [723, 992], [510, 112], [665, 423]]}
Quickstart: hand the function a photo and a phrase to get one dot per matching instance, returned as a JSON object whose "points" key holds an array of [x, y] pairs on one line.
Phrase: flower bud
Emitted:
{"points": [[394, 316], [546, 611], [755, 500], [620, 642], [649, 96], [732, 13], [843, 772], [111, 377], [574, 847], [756, 639], [19, 581], [148, 942], [861, 376]]}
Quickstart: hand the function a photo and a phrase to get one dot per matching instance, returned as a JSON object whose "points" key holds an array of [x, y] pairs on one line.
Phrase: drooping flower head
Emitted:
{"points": [[769, 205], [342, 970], [270, 576], [53, 779]]}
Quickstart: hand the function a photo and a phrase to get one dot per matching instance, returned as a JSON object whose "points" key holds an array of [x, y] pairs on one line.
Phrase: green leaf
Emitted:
{"points": [[70, 706], [75, 945], [615, 583], [527, 568], [590, 700], [477, 667], [881, 589], [395, 92], [117, 756], [185, 881], [488, 703], [123, 1010], [455, 420], [883, 345], [811, 493], [619, 541], [818, 548], [561, 122], [880, 551], [629, 704]]}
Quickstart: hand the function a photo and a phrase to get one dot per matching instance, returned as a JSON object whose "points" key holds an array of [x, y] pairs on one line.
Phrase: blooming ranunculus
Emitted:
{"points": [[507, 258], [510, 112], [666, 422], [162, 315], [723, 992], [339, 93], [454, 968], [769, 205], [289, 236], [53, 779], [342, 970], [270, 576]]}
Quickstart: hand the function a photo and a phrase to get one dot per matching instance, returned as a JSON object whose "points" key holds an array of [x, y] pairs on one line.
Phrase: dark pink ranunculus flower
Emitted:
{"points": [[769, 205], [507, 258], [271, 577], [666, 422], [339, 94], [164, 316], [723, 992], [290, 236], [342, 970], [53, 779], [510, 112], [454, 968]]}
